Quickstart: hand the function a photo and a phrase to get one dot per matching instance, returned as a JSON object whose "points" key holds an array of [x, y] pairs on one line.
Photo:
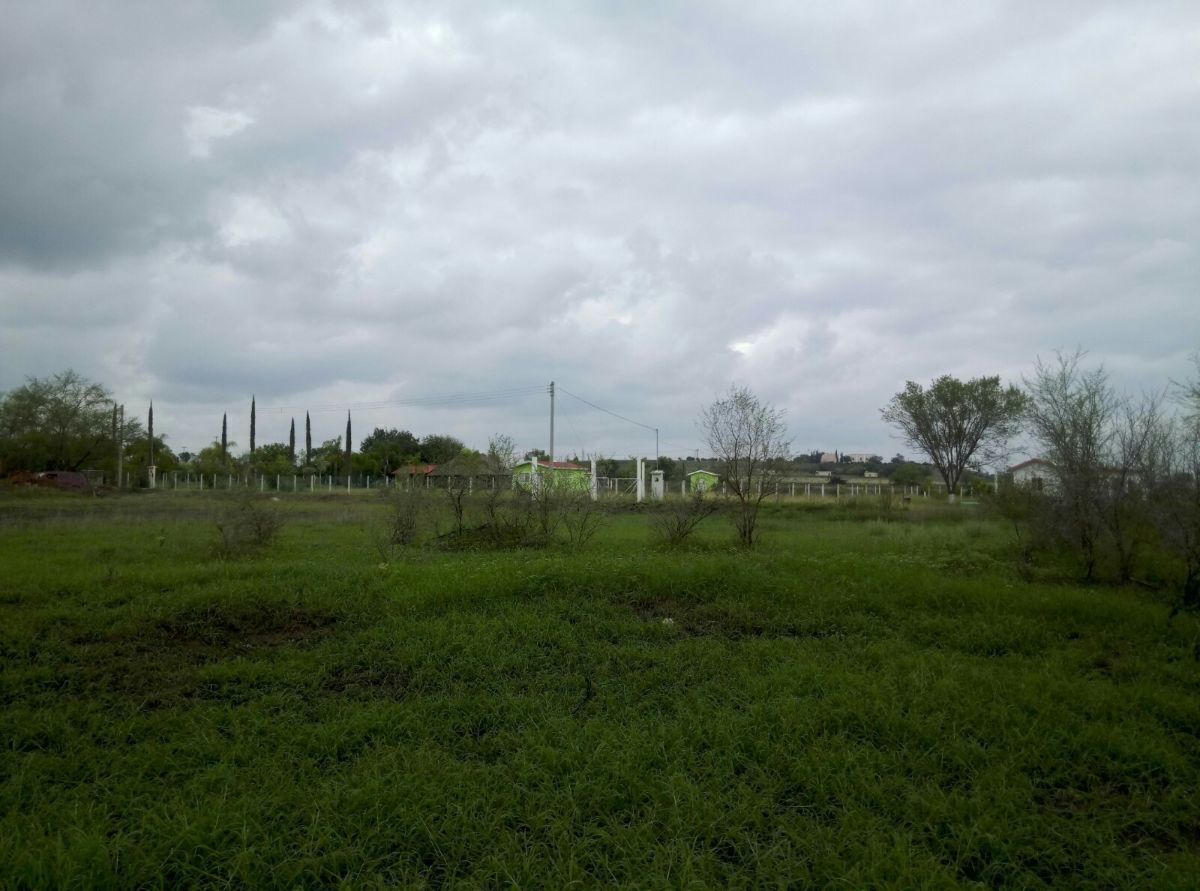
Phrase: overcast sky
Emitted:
{"points": [[327, 204]]}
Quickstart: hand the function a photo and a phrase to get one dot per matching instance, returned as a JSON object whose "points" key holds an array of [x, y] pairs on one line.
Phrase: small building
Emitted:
{"points": [[413, 471], [871, 475], [829, 458], [702, 481], [565, 474], [1036, 473]]}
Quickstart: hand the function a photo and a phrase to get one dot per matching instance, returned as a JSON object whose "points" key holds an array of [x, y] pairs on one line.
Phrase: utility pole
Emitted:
{"points": [[121, 448], [552, 422], [151, 470]]}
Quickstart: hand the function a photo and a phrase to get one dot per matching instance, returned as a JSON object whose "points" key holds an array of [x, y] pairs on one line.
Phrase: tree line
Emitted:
{"points": [[68, 422]]}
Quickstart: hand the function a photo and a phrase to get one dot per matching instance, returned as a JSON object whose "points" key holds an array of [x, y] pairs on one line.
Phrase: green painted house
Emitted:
{"points": [[566, 475], [703, 481]]}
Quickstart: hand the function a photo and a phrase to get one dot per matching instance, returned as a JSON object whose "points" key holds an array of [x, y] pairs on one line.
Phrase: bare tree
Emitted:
{"points": [[749, 440], [957, 424], [1137, 444], [1071, 414], [1172, 473], [501, 453], [677, 518]]}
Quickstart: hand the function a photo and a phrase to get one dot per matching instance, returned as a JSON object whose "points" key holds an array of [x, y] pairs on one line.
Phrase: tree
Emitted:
{"points": [[224, 436], [252, 425], [439, 448], [307, 439], [1070, 414], [390, 448], [749, 440], [349, 462], [215, 458], [957, 424], [273, 458], [292, 443], [327, 457], [909, 474], [55, 423], [142, 451], [670, 470], [1174, 483], [502, 453]]}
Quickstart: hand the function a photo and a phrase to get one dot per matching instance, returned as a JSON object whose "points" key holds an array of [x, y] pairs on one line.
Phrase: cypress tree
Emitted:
{"points": [[307, 439], [348, 466], [116, 446], [224, 430], [251, 425], [150, 430], [292, 442]]}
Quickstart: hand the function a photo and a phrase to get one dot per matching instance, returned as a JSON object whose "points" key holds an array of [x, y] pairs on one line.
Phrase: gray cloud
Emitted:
{"points": [[336, 203]]}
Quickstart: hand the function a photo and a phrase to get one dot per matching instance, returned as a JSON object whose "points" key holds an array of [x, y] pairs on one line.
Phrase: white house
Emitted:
{"points": [[1037, 473]]}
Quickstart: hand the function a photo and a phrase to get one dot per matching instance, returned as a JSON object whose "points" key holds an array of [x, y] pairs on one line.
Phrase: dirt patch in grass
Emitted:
{"points": [[244, 626], [716, 619], [367, 681], [156, 662]]}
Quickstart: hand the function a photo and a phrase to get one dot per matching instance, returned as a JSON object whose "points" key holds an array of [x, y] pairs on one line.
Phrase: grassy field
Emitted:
{"points": [[856, 703]]}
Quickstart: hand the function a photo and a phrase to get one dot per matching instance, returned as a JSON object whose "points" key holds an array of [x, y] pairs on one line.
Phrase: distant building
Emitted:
{"points": [[871, 475], [858, 457], [565, 474], [413, 471], [702, 481], [1036, 473], [829, 458]]}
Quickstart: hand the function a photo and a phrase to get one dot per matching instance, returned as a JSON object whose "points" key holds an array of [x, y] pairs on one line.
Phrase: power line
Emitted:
{"points": [[420, 402], [607, 412]]}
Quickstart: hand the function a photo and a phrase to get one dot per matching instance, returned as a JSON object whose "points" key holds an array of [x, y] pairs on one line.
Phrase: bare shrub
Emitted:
{"points": [[245, 521], [749, 439], [582, 517], [1174, 503], [1023, 508], [1071, 413], [402, 523], [677, 519]]}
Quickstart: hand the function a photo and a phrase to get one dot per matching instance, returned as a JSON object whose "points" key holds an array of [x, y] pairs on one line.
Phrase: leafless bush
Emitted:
{"points": [[677, 519], [401, 523], [1024, 509], [244, 521], [1174, 503], [406, 510], [508, 518], [1071, 413], [749, 439], [582, 517], [457, 489]]}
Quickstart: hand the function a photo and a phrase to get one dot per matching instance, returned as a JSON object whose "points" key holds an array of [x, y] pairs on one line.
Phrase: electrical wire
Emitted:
{"points": [[420, 402], [606, 411]]}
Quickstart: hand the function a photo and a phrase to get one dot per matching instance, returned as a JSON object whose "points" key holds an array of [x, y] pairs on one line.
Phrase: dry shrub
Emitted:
{"points": [[245, 521], [676, 520]]}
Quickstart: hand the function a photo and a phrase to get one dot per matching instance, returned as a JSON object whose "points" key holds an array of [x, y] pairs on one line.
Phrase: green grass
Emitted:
{"points": [[855, 703]]}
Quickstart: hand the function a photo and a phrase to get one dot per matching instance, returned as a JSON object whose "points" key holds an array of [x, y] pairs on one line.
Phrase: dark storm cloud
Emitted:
{"points": [[344, 202]]}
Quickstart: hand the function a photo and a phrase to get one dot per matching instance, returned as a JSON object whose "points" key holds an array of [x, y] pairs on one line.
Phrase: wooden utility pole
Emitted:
{"points": [[121, 449], [552, 423]]}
